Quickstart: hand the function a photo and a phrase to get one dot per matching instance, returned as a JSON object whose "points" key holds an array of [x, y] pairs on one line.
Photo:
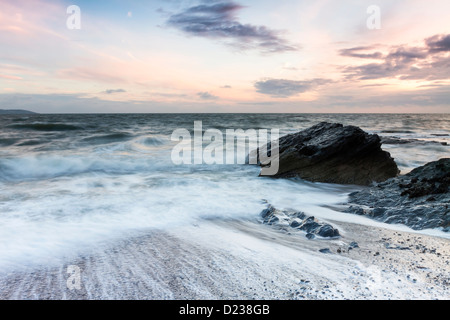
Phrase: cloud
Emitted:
{"points": [[426, 99], [439, 43], [169, 95], [111, 91], [356, 53], [433, 99], [282, 88], [9, 77], [226, 87], [428, 62], [439, 69], [217, 20], [207, 96], [406, 55]]}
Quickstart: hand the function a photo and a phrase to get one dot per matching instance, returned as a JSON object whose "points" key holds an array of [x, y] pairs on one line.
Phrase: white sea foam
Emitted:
{"points": [[74, 196], [50, 166], [69, 213]]}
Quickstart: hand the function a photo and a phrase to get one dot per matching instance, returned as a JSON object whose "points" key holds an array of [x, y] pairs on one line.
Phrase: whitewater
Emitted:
{"points": [[101, 192]]}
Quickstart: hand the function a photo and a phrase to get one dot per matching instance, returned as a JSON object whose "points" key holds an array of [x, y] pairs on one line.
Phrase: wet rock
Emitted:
{"points": [[420, 199], [295, 224], [327, 231], [353, 245], [333, 153], [298, 221]]}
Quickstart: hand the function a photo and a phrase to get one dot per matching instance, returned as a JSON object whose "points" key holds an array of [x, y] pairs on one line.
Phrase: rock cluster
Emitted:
{"points": [[333, 153], [289, 219], [420, 199]]}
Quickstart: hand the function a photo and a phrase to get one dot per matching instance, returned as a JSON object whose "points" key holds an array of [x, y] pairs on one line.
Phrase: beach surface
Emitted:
{"points": [[247, 260]]}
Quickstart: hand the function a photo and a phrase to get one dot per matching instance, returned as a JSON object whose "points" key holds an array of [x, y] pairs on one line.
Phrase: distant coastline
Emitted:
{"points": [[16, 111]]}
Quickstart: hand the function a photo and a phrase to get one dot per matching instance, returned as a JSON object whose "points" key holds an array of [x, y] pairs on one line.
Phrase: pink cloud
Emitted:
{"points": [[5, 76]]}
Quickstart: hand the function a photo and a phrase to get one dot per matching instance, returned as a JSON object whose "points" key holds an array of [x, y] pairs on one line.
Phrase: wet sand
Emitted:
{"points": [[247, 260]]}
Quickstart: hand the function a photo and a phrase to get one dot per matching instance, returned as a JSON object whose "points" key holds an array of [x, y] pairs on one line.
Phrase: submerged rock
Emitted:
{"points": [[287, 219], [419, 199], [332, 153]]}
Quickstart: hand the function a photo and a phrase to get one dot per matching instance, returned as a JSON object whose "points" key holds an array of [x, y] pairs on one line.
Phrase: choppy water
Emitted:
{"points": [[72, 182]]}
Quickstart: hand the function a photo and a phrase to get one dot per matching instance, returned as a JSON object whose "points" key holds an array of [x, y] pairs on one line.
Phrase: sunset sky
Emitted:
{"points": [[225, 56]]}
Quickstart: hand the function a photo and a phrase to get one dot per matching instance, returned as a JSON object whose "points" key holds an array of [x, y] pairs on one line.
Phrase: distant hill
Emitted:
{"points": [[2, 111]]}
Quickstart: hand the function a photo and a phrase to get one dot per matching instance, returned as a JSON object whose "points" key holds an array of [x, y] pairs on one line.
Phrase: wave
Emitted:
{"points": [[397, 131], [20, 119], [45, 127], [48, 167], [400, 141], [55, 217], [31, 143], [152, 141], [8, 142], [109, 138]]}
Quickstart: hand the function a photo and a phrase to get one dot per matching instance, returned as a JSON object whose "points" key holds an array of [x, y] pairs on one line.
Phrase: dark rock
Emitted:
{"points": [[273, 220], [298, 221], [309, 224], [295, 224], [327, 231], [353, 245], [267, 212], [377, 212], [299, 215], [419, 199], [357, 210], [332, 153], [326, 250]]}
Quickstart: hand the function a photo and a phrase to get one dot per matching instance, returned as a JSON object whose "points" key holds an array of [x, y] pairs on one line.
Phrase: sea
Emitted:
{"points": [[73, 182]]}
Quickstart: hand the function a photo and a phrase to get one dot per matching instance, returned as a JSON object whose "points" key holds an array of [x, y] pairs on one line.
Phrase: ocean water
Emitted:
{"points": [[70, 183]]}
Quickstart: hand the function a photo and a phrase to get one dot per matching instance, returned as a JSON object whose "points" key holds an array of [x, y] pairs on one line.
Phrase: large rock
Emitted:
{"points": [[420, 199], [332, 153]]}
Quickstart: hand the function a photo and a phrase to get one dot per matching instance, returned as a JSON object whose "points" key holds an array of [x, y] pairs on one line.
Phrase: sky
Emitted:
{"points": [[252, 56]]}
